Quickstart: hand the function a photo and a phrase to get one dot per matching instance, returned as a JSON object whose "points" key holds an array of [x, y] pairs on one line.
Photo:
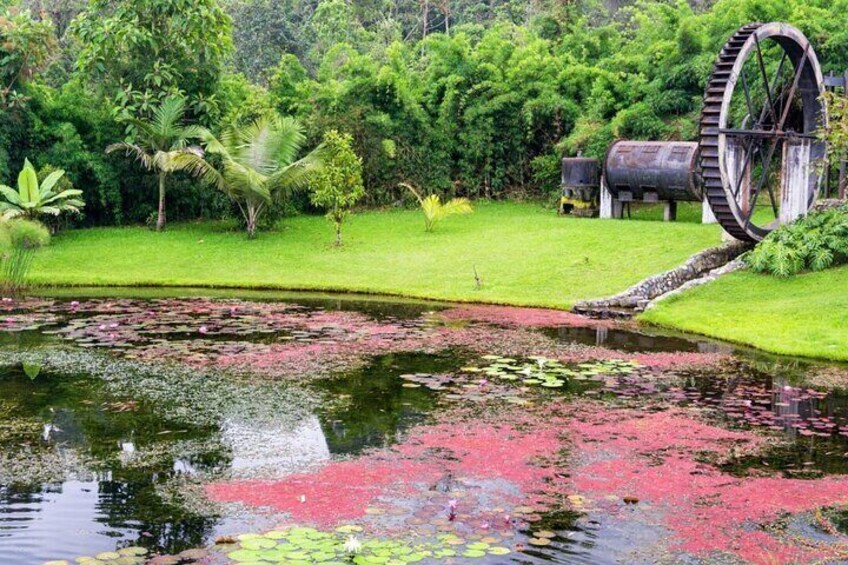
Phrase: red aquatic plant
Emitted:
{"points": [[656, 457]]}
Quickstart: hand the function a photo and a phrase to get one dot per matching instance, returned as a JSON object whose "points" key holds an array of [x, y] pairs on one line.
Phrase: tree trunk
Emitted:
{"points": [[251, 221], [338, 234], [160, 221]]}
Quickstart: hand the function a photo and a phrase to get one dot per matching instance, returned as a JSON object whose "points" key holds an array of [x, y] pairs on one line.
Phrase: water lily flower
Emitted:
{"points": [[74, 303], [203, 329], [352, 545]]}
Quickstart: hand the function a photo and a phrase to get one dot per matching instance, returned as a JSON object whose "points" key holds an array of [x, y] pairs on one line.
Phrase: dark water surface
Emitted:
{"points": [[97, 456]]}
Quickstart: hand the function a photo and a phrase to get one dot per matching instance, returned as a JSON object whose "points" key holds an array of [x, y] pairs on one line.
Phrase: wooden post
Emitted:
{"points": [[796, 180]]}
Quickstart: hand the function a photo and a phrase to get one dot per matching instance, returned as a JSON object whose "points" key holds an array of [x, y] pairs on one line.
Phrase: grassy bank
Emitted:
{"points": [[805, 315], [523, 254]]}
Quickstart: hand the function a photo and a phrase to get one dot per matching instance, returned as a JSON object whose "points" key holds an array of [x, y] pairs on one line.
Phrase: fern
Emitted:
{"points": [[816, 242]]}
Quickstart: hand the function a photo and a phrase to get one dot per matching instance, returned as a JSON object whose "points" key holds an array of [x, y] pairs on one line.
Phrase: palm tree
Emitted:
{"points": [[258, 166], [164, 145]]}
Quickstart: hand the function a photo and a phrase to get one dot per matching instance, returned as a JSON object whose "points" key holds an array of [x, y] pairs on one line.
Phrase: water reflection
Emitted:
{"points": [[635, 341], [274, 449]]}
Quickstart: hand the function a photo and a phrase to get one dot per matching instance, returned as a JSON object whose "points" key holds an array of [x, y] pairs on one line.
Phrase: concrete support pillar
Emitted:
{"points": [[797, 180], [707, 216], [610, 207], [670, 211], [735, 160]]}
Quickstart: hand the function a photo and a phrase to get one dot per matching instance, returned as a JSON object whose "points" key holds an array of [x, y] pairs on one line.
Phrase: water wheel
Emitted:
{"points": [[758, 148]]}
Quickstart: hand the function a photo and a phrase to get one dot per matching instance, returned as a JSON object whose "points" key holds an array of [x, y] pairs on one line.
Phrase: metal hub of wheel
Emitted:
{"points": [[761, 110]]}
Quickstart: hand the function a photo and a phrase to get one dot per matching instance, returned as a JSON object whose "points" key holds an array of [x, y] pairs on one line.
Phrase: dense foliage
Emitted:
{"points": [[458, 97], [814, 243]]}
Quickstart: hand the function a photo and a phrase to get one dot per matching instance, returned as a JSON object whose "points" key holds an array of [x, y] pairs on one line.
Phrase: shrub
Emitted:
{"points": [[814, 243]]}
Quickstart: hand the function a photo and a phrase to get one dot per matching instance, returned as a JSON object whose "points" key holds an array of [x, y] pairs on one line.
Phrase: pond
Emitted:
{"points": [[295, 428]]}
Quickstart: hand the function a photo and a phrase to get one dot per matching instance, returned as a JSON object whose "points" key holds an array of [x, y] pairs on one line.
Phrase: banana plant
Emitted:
{"points": [[434, 210], [32, 199]]}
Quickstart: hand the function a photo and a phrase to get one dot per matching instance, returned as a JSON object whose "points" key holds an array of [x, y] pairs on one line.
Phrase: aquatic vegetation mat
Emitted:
{"points": [[332, 434]]}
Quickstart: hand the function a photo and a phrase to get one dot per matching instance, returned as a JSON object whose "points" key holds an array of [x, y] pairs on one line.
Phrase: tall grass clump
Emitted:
{"points": [[814, 243], [19, 242]]}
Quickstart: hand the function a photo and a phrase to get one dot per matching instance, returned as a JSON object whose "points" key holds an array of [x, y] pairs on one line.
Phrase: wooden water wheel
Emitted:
{"points": [[758, 148]]}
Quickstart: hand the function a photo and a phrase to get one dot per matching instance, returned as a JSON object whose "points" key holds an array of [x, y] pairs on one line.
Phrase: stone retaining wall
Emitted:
{"points": [[707, 263]]}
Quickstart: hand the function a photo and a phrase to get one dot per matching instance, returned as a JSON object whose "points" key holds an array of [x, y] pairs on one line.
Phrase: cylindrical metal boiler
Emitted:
{"points": [[580, 178], [652, 171]]}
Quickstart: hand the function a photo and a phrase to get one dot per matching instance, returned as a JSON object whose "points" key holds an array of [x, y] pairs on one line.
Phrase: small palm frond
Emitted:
{"points": [[133, 150], [457, 206], [194, 164], [167, 116], [296, 176], [412, 189]]}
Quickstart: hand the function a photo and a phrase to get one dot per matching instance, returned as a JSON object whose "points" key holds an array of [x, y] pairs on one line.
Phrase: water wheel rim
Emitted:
{"points": [[718, 188]]}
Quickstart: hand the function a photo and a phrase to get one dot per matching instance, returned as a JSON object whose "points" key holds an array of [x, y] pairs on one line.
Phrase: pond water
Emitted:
{"points": [[324, 429]]}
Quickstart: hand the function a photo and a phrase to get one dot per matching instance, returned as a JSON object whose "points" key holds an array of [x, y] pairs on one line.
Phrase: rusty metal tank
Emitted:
{"points": [[581, 178], [653, 171]]}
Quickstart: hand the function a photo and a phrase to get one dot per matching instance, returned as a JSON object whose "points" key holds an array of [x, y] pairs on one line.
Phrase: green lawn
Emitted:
{"points": [[524, 254], [806, 315]]}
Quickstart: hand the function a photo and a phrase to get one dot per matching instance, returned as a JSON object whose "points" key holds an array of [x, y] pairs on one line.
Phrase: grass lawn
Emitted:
{"points": [[523, 253], [806, 315]]}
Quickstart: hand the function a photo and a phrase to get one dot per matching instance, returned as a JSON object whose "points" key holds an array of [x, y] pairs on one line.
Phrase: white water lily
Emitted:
{"points": [[352, 545]]}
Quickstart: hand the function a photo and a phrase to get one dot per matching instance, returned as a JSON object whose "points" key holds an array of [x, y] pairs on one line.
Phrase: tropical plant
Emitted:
{"points": [[164, 145], [32, 199], [19, 241], [815, 242], [434, 210], [258, 164], [338, 185]]}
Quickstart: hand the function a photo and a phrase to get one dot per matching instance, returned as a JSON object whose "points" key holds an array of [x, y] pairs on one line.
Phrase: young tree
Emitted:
{"points": [[338, 185], [164, 146], [258, 164]]}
